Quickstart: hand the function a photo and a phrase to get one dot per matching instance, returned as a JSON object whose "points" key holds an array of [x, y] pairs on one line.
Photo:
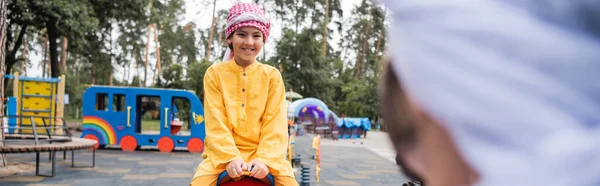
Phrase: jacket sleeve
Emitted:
{"points": [[221, 147], [272, 147]]}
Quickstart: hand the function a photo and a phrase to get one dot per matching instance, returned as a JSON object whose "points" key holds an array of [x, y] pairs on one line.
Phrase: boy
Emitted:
{"points": [[245, 108]]}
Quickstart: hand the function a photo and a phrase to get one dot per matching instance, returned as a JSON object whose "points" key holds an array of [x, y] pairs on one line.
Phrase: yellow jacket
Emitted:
{"points": [[245, 112]]}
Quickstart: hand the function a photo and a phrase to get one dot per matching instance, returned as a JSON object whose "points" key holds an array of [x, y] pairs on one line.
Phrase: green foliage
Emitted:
{"points": [[359, 98], [172, 77], [195, 77], [86, 23], [91, 25], [331, 79]]}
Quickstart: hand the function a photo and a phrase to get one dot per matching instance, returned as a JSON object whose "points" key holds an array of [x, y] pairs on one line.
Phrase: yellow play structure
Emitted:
{"points": [[42, 98]]}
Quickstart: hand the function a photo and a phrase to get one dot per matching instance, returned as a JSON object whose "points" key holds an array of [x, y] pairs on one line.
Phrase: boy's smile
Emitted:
{"points": [[247, 43]]}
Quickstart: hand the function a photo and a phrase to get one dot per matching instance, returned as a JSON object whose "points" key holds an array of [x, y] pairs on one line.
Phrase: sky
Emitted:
{"points": [[199, 12]]}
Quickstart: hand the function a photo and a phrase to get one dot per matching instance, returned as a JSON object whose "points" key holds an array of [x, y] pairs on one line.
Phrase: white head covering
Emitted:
{"points": [[517, 83]]}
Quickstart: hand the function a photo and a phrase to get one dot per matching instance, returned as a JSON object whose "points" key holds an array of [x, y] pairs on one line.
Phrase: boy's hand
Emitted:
{"points": [[236, 168], [259, 170]]}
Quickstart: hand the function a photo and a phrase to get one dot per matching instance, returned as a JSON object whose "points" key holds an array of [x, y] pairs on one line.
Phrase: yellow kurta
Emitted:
{"points": [[245, 114]]}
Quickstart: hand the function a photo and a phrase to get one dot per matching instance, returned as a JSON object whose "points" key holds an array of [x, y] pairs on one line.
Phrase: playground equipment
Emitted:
{"points": [[115, 116], [304, 176], [310, 114], [294, 159], [42, 98], [316, 118], [332, 123], [45, 142], [245, 180], [290, 152], [353, 127], [317, 146], [35, 123]]}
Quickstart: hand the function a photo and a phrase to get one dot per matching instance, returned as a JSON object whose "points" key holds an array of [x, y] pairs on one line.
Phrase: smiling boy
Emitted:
{"points": [[245, 109]]}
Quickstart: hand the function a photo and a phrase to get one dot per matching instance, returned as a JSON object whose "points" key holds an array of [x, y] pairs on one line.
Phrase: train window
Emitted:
{"points": [[101, 102], [180, 116], [119, 103], [148, 114]]}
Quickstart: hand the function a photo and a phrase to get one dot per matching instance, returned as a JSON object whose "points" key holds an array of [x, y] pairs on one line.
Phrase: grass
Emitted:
{"points": [[154, 125], [151, 125], [72, 120]]}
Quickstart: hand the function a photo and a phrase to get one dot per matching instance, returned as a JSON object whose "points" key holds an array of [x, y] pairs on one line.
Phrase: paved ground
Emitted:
{"points": [[345, 162], [377, 142], [353, 161]]}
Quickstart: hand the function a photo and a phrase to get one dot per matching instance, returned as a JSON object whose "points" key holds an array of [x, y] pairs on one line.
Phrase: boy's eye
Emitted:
{"points": [[257, 36], [240, 34]]}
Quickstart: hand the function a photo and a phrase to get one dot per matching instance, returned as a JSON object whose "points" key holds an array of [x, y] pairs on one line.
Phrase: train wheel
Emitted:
{"points": [[195, 145], [93, 137], [128, 143], [166, 144]]}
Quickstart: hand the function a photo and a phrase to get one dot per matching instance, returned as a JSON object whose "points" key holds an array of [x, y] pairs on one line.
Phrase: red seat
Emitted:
{"points": [[246, 181]]}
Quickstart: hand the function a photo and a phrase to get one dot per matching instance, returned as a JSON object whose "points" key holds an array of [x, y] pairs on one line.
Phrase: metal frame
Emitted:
{"points": [[52, 153], [49, 129], [73, 159], [37, 164], [52, 159]]}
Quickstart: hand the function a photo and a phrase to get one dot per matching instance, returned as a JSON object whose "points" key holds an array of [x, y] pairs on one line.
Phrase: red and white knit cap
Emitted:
{"points": [[243, 15]]}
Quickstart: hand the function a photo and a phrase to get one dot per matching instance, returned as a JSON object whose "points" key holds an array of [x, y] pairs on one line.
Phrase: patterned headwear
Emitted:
{"points": [[243, 15]]}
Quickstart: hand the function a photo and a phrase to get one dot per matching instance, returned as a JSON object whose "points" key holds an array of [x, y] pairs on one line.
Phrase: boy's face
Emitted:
{"points": [[425, 147], [247, 43], [435, 156]]}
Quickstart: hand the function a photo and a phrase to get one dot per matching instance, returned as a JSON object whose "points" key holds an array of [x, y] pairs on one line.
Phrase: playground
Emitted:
{"points": [[150, 136], [345, 163]]}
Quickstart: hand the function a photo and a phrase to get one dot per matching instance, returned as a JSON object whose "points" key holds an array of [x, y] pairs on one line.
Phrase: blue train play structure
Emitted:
{"points": [[134, 117]]}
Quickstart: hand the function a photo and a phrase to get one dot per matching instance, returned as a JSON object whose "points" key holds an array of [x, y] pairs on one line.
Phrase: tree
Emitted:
{"points": [[61, 18], [360, 79], [82, 23], [163, 16], [307, 73], [212, 32], [195, 77], [345, 78], [325, 30], [211, 46], [364, 38], [130, 43], [3, 13], [173, 77]]}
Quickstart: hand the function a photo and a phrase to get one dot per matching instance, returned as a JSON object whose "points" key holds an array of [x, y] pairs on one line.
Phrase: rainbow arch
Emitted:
{"points": [[100, 126]]}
